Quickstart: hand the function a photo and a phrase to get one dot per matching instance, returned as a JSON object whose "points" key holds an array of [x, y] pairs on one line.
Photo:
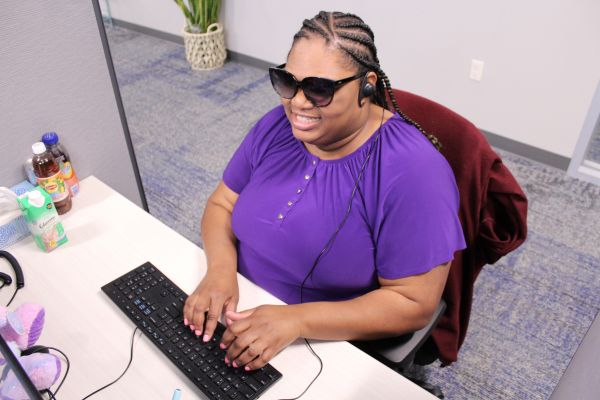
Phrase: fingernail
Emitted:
{"points": [[247, 368], [226, 360], [222, 346], [206, 338], [192, 327], [197, 332], [185, 321], [234, 365]]}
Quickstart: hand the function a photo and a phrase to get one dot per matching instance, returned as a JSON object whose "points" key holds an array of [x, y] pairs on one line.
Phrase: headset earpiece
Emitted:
{"points": [[366, 90]]}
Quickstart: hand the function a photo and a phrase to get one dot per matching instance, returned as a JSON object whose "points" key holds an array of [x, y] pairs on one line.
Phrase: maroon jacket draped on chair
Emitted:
{"points": [[493, 211]]}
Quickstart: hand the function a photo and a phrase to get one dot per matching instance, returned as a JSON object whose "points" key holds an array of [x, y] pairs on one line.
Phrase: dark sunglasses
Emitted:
{"points": [[319, 91]]}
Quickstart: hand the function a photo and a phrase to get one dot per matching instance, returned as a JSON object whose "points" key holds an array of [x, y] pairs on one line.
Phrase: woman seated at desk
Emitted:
{"points": [[337, 206]]}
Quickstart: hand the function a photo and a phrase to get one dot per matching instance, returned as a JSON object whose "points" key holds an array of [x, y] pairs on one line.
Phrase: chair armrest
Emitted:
{"points": [[399, 352]]}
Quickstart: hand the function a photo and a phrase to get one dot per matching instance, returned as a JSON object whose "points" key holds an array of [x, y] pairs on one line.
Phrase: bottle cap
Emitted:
{"points": [[50, 138], [35, 198], [38, 148]]}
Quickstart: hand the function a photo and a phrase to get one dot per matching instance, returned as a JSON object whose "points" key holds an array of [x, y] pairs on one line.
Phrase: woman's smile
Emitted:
{"points": [[304, 122]]}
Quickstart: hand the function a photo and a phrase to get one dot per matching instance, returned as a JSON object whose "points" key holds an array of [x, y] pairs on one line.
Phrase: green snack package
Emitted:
{"points": [[42, 219]]}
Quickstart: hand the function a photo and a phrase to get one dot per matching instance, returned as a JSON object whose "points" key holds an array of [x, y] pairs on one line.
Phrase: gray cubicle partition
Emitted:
{"points": [[56, 75]]}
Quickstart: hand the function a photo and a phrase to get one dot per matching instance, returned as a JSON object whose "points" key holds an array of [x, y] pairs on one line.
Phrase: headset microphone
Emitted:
{"points": [[18, 274], [16, 267], [5, 278]]}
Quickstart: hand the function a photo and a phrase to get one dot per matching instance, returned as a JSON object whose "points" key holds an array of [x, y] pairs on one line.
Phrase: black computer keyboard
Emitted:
{"points": [[155, 305]]}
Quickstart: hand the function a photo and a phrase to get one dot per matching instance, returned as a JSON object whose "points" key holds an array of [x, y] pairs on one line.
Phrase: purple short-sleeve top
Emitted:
{"points": [[403, 220]]}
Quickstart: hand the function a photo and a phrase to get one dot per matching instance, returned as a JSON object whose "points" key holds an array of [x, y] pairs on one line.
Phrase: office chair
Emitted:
{"points": [[493, 214]]}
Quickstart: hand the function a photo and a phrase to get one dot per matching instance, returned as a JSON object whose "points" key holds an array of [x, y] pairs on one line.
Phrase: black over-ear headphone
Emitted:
{"points": [[366, 90], [16, 267]]}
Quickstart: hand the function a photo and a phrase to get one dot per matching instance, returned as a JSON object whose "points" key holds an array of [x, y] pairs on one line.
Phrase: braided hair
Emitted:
{"points": [[350, 34]]}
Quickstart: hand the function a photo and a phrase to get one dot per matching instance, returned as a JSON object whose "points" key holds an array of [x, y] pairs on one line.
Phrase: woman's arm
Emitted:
{"points": [[217, 234], [218, 290], [399, 306]]}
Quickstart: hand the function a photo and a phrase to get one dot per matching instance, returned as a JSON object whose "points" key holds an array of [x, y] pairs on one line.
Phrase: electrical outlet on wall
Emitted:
{"points": [[476, 70]]}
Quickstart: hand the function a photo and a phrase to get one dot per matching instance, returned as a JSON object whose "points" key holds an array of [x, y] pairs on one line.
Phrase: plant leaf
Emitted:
{"points": [[185, 10], [214, 12], [197, 6], [193, 7]]}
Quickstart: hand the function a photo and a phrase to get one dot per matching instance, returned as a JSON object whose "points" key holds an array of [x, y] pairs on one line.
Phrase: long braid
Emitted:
{"points": [[350, 34], [433, 139]]}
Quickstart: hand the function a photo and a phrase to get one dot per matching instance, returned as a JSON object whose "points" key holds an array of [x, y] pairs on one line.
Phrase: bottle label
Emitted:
{"points": [[70, 178], [73, 184], [66, 169], [55, 186]]}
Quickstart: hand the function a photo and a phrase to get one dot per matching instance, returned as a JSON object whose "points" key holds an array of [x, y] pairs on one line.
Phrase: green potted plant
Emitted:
{"points": [[203, 35]]}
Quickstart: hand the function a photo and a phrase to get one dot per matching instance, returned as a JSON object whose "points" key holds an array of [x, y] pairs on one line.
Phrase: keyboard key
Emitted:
{"points": [[261, 377], [173, 312], [246, 391], [253, 384]]}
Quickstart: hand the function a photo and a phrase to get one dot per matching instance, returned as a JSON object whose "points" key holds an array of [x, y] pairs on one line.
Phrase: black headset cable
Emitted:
{"points": [[330, 242]]}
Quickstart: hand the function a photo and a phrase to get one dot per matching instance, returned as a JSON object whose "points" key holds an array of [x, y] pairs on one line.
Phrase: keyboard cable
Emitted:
{"points": [[126, 368]]}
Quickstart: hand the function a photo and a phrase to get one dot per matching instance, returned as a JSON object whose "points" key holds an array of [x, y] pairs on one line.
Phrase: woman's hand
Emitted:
{"points": [[255, 336], [216, 294]]}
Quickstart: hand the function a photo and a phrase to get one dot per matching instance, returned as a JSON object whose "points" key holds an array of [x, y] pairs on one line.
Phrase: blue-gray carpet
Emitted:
{"points": [[531, 309]]}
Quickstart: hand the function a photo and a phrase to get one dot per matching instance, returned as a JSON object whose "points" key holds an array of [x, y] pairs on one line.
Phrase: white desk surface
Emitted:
{"points": [[108, 236]]}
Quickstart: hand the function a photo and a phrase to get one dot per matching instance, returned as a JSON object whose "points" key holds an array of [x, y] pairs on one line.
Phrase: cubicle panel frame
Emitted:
{"points": [[119, 100], [579, 167]]}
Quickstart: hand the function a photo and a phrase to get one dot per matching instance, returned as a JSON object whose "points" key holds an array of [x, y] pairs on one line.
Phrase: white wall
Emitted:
{"points": [[541, 56], [162, 15]]}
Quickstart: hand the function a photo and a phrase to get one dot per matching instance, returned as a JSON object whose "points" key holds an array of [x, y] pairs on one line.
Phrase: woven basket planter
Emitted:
{"points": [[205, 50]]}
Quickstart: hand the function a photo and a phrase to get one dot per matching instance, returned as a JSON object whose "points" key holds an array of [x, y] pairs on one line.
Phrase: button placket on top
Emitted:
{"points": [[298, 192]]}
